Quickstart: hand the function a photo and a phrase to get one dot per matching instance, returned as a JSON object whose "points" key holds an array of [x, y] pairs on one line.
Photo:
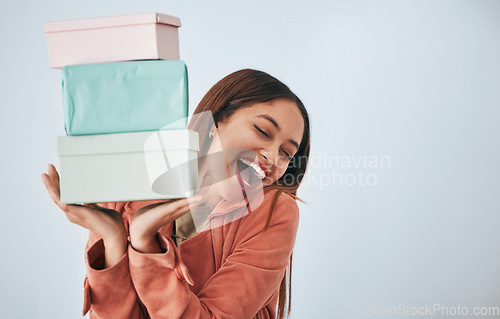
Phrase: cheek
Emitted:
{"points": [[230, 135], [278, 172], [237, 135]]}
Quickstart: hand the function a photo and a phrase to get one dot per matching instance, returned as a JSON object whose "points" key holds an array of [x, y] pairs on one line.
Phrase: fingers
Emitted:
{"points": [[186, 202], [47, 181], [173, 210], [54, 176], [194, 200], [182, 204], [92, 205], [50, 187], [51, 182], [179, 212]]}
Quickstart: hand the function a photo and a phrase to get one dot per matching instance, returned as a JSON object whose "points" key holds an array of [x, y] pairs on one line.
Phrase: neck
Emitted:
{"points": [[212, 196]]}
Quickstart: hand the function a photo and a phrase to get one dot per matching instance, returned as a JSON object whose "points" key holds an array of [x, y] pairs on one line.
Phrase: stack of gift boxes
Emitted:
{"points": [[125, 100]]}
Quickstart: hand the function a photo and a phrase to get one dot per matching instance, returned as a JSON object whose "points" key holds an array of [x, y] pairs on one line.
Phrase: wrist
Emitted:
{"points": [[114, 250], [145, 243], [116, 238], [139, 232]]}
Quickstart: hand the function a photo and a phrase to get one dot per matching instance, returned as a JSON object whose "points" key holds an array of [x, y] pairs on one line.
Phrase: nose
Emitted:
{"points": [[270, 157]]}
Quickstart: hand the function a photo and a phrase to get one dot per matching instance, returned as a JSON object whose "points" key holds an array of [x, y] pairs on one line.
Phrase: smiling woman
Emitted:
{"points": [[262, 137], [242, 89], [249, 99], [236, 266]]}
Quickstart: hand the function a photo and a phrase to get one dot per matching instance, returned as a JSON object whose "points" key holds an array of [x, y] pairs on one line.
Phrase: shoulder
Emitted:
{"points": [[283, 203], [271, 228], [276, 210]]}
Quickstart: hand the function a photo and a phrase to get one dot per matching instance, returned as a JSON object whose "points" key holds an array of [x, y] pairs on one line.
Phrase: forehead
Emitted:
{"points": [[286, 114]]}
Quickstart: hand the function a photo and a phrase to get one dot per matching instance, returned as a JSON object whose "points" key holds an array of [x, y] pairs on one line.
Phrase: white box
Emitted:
{"points": [[128, 166]]}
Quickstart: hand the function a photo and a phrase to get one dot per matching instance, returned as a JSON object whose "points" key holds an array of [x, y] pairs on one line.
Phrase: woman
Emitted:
{"points": [[237, 266]]}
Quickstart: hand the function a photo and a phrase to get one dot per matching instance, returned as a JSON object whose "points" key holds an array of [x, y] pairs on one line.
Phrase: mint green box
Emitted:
{"points": [[120, 97]]}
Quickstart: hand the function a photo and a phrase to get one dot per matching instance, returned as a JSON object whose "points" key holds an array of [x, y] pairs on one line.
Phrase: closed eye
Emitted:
{"points": [[287, 155], [261, 130], [267, 135]]}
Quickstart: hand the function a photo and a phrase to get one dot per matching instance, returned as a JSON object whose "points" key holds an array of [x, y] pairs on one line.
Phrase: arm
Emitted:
{"points": [[107, 230], [108, 289], [109, 292], [239, 289]]}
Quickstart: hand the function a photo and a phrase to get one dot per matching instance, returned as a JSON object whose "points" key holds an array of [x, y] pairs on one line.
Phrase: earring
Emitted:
{"points": [[210, 134]]}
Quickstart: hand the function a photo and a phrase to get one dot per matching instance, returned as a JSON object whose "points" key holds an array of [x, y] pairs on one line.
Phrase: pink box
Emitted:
{"points": [[151, 36]]}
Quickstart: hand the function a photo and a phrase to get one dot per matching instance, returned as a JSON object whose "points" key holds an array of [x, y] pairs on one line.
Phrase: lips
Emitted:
{"points": [[265, 169], [249, 174]]}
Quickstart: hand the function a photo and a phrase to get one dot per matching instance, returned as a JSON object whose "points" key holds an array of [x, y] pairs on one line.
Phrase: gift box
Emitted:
{"points": [[125, 97], [128, 166], [109, 39]]}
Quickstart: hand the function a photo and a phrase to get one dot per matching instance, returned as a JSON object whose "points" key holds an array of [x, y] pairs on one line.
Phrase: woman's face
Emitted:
{"points": [[258, 142]]}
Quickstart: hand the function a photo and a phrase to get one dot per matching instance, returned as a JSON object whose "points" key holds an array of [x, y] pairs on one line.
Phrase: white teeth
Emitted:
{"points": [[256, 168]]}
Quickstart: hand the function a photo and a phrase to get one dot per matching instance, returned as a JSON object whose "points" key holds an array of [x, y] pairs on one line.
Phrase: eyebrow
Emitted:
{"points": [[273, 121]]}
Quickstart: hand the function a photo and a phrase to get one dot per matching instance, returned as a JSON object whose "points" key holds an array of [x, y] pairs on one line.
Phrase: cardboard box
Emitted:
{"points": [[124, 97], [128, 166], [110, 39]]}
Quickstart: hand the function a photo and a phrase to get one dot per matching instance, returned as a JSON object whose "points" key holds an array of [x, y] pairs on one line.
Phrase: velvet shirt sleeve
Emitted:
{"points": [[109, 292], [248, 278]]}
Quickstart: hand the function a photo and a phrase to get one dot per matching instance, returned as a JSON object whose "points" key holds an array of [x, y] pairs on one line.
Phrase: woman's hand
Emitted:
{"points": [[106, 223], [147, 221]]}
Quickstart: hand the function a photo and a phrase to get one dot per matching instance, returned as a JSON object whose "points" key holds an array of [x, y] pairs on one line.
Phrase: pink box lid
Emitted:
{"points": [[114, 21]]}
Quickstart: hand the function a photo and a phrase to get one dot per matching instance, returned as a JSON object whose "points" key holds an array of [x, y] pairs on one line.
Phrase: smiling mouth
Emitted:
{"points": [[249, 174]]}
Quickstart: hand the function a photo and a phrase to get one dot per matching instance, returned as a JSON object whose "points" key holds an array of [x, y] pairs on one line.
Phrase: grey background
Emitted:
{"points": [[415, 81]]}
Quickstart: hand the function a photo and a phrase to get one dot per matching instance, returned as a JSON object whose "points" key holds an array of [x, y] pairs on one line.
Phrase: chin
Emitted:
{"points": [[243, 179], [242, 182]]}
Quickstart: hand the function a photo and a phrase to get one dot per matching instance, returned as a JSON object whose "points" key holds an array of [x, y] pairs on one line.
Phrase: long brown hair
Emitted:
{"points": [[242, 89]]}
